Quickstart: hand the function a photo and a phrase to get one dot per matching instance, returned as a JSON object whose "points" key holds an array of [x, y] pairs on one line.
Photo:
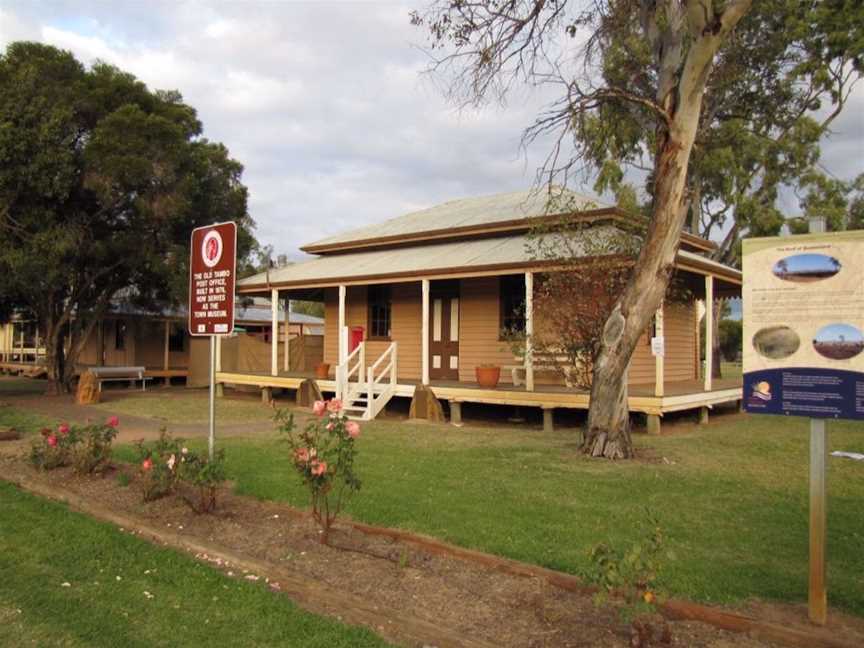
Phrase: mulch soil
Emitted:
{"points": [[407, 594]]}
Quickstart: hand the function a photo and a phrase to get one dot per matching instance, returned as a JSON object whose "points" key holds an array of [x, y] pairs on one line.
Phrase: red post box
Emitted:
{"points": [[356, 337]]}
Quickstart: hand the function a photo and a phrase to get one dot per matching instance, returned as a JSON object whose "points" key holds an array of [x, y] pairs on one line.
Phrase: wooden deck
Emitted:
{"points": [[678, 396], [30, 369], [35, 370]]}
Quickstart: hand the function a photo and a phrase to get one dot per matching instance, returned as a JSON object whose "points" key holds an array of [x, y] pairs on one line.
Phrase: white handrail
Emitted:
{"points": [[381, 358], [373, 404], [345, 371]]}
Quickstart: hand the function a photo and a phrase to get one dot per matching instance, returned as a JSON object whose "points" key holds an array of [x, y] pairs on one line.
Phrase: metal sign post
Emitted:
{"points": [[211, 436], [817, 599], [212, 270]]}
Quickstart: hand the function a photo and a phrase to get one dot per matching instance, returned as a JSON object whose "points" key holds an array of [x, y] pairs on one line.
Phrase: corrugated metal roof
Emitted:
{"points": [[251, 315], [432, 258], [466, 212]]}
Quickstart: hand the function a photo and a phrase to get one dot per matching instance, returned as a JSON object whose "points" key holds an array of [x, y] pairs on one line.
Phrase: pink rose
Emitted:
{"points": [[112, 421], [52, 440], [318, 468], [319, 407], [334, 406], [330, 426], [147, 464], [301, 455], [353, 429], [63, 428]]}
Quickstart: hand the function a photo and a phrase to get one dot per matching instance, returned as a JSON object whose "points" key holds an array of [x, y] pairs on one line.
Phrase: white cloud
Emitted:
{"points": [[323, 103]]}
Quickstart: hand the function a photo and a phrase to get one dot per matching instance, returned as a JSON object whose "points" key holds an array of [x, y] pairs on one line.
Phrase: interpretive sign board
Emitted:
{"points": [[804, 325], [212, 270]]}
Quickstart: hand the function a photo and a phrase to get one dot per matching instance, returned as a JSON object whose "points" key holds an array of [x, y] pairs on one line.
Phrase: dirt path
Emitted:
{"points": [[64, 408]]}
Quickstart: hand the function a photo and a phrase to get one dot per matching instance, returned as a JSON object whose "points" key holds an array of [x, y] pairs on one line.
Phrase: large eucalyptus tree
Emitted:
{"points": [[710, 99]]}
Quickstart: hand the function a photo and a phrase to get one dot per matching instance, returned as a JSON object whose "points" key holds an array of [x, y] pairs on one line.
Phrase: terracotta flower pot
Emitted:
{"points": [[322, 370], [488, 377]]}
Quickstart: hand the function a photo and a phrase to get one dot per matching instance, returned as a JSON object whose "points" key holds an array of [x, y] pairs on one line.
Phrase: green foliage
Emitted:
{"points": [[167, 466], [101, 182], [595, 261], [776, 85], [123, 480], [316, 309], [731, 335], [840, 204], [51, 450], [632, 572], [203, 476], [323, 456], [86, 448], [92, 453], [158, 465]]}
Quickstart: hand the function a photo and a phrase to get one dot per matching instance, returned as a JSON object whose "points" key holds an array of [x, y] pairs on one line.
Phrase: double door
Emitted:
{"points": [[444, 330]]}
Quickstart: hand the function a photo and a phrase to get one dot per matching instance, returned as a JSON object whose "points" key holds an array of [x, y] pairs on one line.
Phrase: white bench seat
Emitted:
{"points": [[123, 374], [542, 362]]}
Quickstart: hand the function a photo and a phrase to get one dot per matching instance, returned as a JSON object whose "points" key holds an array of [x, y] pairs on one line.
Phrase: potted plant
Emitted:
{"points": [[487, 375], [322, 370]]}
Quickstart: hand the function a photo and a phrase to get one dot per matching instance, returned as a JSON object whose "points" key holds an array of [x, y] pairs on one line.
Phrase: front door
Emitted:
{"points": [[444, 331]]}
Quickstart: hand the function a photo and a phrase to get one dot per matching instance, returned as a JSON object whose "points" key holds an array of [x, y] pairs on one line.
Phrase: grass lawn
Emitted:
{"points": [[732, 499], [15, 386], [184, 407], [44, 545], [22, 420], [731, 369]]}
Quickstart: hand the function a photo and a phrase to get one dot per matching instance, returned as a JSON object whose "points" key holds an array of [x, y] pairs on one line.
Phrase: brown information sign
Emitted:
{"points": [[212, 269]]}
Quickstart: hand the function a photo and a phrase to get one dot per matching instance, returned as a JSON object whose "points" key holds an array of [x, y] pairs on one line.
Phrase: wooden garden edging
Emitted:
{"points": [[321, 599], [671, 609]]}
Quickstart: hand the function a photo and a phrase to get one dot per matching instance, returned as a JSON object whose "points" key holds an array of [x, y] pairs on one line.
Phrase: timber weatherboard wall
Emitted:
{"points": [[145, 345], [479, 331], [405, 325]]}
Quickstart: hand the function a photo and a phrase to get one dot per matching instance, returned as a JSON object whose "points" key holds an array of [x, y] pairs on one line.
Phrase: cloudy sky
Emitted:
{"points": [[324, 103]]}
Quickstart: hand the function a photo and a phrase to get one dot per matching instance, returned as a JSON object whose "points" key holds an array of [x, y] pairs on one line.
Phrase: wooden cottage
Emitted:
{"points": [[423, 299], [161, 344]]}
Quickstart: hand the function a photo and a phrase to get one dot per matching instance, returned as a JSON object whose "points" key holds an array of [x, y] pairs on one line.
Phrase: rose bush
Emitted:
{"points": [[158, 465], [203, 477], [323, 455], [87, 448], [91, 452], [168, 466]]}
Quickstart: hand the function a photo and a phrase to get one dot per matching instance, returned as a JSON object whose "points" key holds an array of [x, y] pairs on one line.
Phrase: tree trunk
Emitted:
{"points": [[696, 207], [55, 359], [682, 76], [608, 430]]}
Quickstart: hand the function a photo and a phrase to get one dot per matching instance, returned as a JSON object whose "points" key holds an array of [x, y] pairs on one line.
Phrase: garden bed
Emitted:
{"points": [[410, 589]]}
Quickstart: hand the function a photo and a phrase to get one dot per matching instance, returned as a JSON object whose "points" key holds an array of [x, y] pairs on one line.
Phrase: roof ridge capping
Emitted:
{"points": [[478, 216], [463, 215]]}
